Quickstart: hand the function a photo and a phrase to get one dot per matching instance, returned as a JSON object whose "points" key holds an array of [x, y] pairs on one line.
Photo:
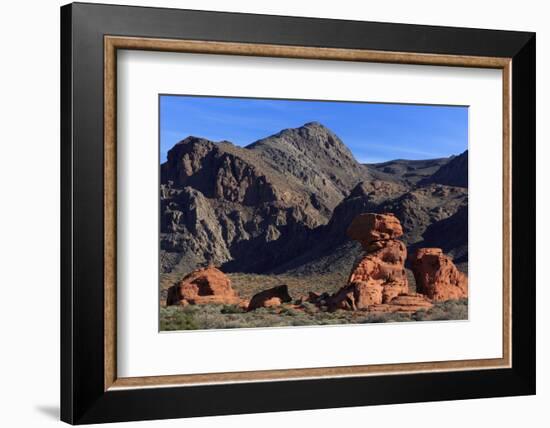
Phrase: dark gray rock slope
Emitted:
{"points": [[283, 203]]}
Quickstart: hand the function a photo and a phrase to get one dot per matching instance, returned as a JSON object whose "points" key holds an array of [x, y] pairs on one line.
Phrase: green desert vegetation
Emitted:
{"points": [[442, 311], [199, 317]]}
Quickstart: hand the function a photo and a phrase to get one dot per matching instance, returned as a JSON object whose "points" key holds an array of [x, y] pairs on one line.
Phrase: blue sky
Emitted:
{"points": [[373, 132]]}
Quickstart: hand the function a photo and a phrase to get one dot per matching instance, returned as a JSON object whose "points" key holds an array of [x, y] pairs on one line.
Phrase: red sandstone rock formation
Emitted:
{"points": [[404, 303], [437, 276], [243, 304], [202, 286], [380, 275], [369, 227], [383, 267], [355, 296], [271, 297]]}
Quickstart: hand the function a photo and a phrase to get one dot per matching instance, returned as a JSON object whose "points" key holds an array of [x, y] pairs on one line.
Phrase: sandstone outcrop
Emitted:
{"points": [[368, 228], [380, 274], [243, 304], [437, 276], [358, 295], [404, 303], [271, 297], [384, 266], [203, 286]]}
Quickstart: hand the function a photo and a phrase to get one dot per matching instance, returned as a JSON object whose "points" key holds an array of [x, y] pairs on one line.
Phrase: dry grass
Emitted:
{"points": [[249, 284], [228, 316]]}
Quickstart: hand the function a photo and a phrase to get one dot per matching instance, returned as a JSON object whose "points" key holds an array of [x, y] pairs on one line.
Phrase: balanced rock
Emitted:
{"points": [[271, 297], [404, 303], [383, 267], [380, 274], [437, 276], [370, 227], [203, 286]]}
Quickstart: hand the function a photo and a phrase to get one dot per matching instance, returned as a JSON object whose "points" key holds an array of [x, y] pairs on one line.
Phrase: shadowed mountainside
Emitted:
{"points": [[453, 173], [408, 172], [282, 204]]}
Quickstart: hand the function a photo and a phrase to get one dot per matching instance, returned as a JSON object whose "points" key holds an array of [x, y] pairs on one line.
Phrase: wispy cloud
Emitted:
{"points": [[370, 159], [411, 150], [373, 132]]}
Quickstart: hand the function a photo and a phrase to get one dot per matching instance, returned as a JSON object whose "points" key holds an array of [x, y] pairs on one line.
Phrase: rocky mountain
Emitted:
{"points": [[283, 203], [408, 172], [317, 159], [248, 207], [452, 173], [432, 215], [451, 235]]}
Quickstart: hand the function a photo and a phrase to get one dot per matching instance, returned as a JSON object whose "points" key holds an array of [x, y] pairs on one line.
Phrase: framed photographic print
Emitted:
{"points": [[265, 213]]}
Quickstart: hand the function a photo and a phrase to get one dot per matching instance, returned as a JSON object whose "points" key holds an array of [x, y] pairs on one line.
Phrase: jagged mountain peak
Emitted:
{"points": [[307, 137], [314, 124], [315, 158], [192, 139], [313, 128], [188, 145]]}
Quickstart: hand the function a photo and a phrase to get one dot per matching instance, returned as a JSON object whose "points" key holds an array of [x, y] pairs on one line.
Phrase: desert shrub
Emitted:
{"points": [[443, 311], [307, 305], [231, 309], [265, 311], [176, 318], [286, 310], [231, 316], [385, 317]]}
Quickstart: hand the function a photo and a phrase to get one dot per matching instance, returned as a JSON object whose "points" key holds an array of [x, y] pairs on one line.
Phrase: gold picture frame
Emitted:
{"points": [[114, 43]]}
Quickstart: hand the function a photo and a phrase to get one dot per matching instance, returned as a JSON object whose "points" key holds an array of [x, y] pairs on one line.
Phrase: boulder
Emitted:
{"points": [[369, 227], [404, 303], [317, 298], [358, 295], [437, 276], [203, 286], [243, 304], [271, 297], [384, 267]]}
